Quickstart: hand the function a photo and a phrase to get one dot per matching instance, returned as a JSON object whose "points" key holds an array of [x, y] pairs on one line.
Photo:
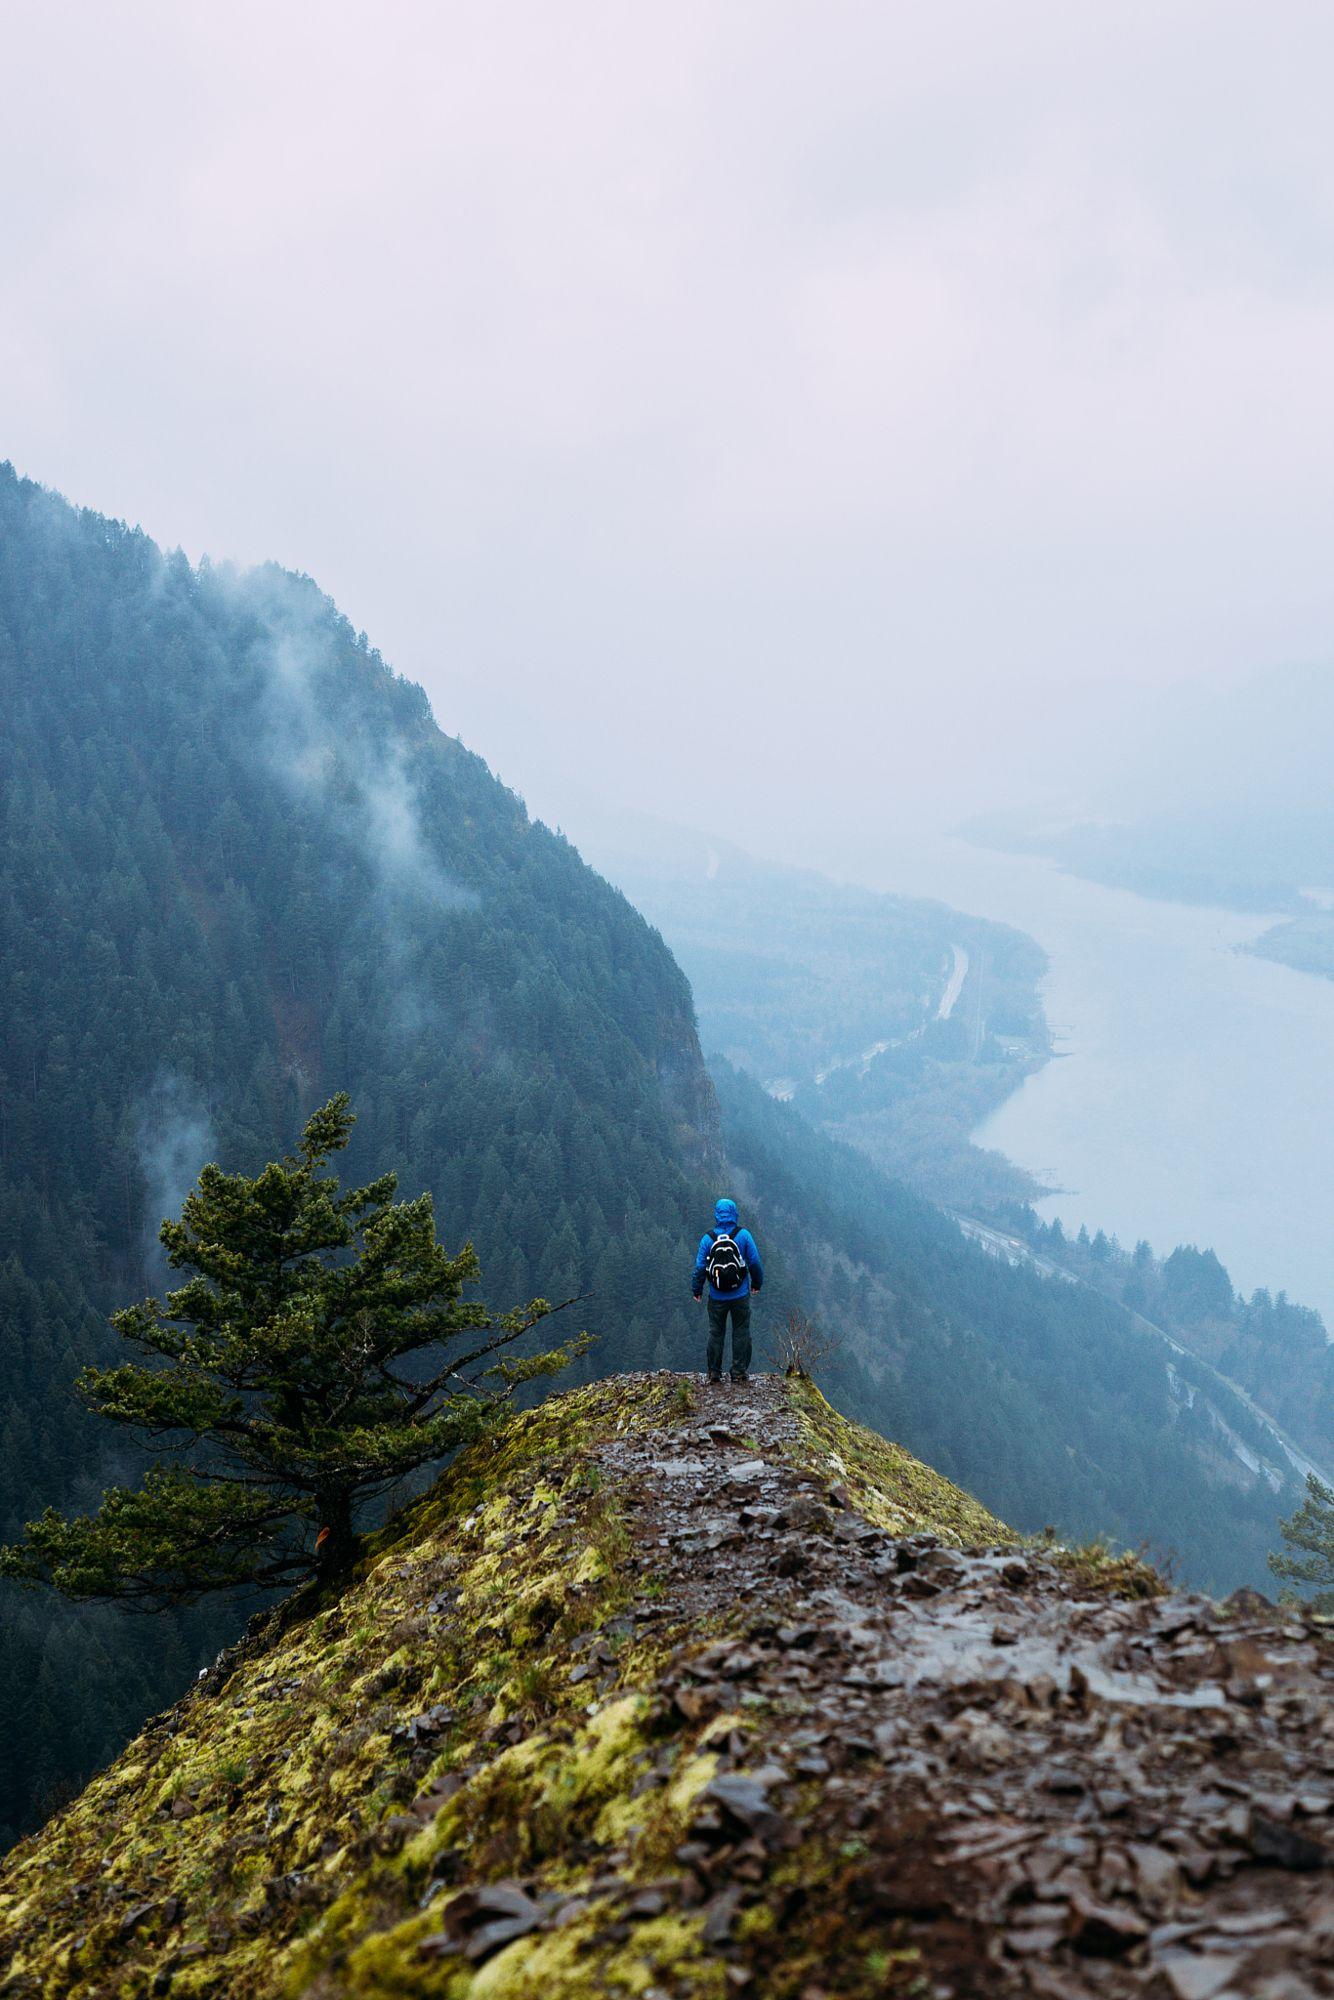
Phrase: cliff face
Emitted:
{"points": [[667, 1692]]}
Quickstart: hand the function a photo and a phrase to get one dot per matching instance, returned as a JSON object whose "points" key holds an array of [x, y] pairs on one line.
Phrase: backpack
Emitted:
{"points": [[725, 1267]]}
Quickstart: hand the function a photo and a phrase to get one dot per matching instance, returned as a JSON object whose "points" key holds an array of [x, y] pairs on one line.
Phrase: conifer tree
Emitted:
{"points": [[1310, 1529], [319, 1350]]}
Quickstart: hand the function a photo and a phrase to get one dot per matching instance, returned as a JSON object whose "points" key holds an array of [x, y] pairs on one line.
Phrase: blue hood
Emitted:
{"points": [[725, 1215]]}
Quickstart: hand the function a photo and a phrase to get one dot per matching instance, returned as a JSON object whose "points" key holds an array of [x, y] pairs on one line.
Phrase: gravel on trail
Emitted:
{"points": [[1051, 1791]]}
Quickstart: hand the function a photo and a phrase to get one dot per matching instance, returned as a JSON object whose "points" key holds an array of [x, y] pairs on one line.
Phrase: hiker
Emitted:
{"points": [[728, 1260]]}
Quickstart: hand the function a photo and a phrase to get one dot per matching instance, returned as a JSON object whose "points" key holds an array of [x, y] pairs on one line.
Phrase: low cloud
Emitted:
{"points": [[174, 1137], [307, 742]]}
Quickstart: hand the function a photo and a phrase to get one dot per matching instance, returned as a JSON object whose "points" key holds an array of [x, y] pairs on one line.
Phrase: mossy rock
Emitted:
{"points": [[300, 1822]]}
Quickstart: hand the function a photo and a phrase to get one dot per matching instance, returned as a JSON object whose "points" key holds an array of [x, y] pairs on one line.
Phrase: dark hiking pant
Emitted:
{"points": [[740, 1311]]}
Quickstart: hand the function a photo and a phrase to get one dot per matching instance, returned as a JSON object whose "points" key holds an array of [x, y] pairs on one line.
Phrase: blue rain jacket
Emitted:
{"points": [[725, 1218]]}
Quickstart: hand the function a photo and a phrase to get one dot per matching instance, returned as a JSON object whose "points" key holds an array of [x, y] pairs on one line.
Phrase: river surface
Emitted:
{"points": [[1192, 1098]]}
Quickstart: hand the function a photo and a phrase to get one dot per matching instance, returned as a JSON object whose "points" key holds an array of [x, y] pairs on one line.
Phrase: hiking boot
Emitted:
{"points": [[715, 1375], [739, 1375]]}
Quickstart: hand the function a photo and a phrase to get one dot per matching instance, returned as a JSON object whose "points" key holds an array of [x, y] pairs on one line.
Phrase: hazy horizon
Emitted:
{"points": [[919, 396]]}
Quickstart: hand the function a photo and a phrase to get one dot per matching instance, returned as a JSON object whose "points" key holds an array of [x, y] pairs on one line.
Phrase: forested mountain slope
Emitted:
{"points": [[1275, 1350], [241, 867]]}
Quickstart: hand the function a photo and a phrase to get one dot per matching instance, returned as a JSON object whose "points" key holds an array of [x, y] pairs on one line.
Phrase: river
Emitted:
{"points": [[1192, 1097]]}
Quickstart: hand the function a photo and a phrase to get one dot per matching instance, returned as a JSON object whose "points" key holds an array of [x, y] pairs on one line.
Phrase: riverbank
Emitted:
{"points": [[1305, 943], [1196, 1101], [892, 1021]]}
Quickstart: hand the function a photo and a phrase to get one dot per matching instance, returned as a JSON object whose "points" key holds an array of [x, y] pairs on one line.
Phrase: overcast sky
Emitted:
{"points": [[767, 414]]}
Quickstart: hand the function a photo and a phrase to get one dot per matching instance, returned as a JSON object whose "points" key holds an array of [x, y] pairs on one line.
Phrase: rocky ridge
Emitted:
{"points": [[672, 1690]]}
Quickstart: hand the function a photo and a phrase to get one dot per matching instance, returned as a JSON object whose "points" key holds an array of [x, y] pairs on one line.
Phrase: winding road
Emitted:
{"points": [[954, 984], [1014, 1250]]}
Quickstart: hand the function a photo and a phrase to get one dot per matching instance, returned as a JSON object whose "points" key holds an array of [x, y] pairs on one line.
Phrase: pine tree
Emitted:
{"points": [[1311, 1528], [308, 1362]]}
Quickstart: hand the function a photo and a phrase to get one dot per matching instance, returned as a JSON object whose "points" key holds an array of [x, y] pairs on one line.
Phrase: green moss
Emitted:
{"points": [[267, 1821], [1099, 1570], [886, 1483], [571, 1963], [689, 1781]]}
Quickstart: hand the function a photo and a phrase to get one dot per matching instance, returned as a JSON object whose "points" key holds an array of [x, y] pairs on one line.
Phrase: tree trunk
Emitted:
{"points": [[335, 1542]]}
